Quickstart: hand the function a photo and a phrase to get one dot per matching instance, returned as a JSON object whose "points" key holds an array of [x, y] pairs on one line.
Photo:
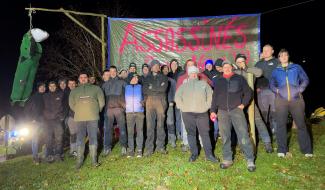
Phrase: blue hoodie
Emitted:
{"points": [[289, 82]]}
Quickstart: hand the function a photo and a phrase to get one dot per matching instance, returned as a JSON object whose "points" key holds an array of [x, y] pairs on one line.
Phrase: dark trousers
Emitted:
{"points": [[84, 128], [54, 138], [155, 110], [137, 120], [235, 118], [170, 122], [178, 121], [297, 110], [119, 115], [200, 122]]}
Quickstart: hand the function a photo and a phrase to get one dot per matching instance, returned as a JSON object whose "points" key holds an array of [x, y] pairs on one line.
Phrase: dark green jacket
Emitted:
{"points": [[86, 101]]}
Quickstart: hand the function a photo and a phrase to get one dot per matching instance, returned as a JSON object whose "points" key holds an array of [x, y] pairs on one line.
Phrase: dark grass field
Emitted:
{"points": [[173, 171]]}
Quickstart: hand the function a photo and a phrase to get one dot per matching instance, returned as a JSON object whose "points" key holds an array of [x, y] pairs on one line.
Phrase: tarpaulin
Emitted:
{"points": [[30, 54], [202, 38]]}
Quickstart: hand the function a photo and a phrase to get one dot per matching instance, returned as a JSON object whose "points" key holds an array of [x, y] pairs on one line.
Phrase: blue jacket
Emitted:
{"points": [[290, 82], [133, 98]]}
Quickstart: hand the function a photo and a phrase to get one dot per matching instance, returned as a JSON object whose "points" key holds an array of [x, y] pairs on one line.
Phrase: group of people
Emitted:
{"points": [[167, 103]]}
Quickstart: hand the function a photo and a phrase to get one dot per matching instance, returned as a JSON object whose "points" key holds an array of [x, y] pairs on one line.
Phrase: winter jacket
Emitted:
{"points": [[211, 74], [34, 107], [230, 93], [155, 85], [133, 98], [194, 96], [53, 105], [114, 93], [86, 101], [288, 83], [175, 75], [267, 68], [184, 77]]}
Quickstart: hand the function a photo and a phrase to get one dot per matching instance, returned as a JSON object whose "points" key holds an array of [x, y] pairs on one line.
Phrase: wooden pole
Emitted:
{"points": [[61, 10], [103, 45], [251, 111], [84, 27], [68, 14]]}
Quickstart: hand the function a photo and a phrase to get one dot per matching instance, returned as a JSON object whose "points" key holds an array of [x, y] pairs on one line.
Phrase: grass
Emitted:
{"points": [[173, 171]]}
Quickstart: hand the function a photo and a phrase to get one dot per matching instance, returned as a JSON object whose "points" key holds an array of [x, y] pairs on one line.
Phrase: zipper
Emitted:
{"points": [[288, 88]]}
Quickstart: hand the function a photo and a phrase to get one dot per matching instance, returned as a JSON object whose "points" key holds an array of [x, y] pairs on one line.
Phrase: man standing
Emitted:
{"points": [[265, 97], [70, 121], [154, 89], [193, 98], [243, 70], [288, 81], [115, 103], [54, 116], [86, 101], [230, 97], [33, 110]]}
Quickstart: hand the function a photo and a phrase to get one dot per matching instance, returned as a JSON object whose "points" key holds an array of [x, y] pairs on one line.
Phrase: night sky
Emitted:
{"points": [[296, 28]]}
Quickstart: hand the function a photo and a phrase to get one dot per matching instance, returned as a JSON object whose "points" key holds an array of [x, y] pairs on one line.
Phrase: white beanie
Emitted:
{"points": [[192, 69]]}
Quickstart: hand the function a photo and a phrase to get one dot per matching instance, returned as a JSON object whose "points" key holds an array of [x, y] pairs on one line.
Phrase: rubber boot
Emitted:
{"points": [[80, 156], [93, 155], [172, 140]]}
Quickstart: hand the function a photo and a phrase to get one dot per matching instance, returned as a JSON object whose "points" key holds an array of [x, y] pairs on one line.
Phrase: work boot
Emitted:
{"points": [[93, 155], [80, 156]]}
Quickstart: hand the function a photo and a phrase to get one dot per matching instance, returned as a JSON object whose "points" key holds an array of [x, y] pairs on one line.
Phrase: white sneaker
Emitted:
{"points": [[281, 155], [309, 155]]}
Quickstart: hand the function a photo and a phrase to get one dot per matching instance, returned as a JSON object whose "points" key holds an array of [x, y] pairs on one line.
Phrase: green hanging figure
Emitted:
{"points": [[30, 54]]}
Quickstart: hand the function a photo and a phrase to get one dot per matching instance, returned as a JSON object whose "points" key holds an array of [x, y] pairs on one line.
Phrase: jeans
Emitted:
{"points": [[170, 120], [136, 119], [155, 110], [216, 129], [84, 128], [107, 137], [235, 118], [297, 110], [119, 115], [200, 122], [54, 133], [183, 131], [35, 138]]}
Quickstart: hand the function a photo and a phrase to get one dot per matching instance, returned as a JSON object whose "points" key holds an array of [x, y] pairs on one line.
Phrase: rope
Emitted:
{"points": [[304, 2], [30, 12]]}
